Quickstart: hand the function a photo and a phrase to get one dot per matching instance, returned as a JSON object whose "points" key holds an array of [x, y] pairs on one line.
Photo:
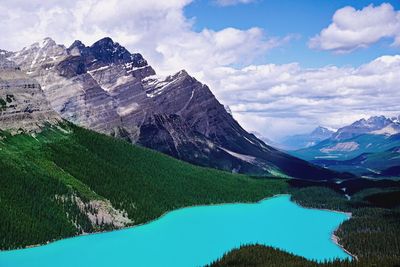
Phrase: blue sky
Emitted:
{"points": [[283, 67], [304, 18]]}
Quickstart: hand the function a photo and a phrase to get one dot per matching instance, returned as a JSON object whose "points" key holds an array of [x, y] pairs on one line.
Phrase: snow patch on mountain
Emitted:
{"points": [[247, 158]]}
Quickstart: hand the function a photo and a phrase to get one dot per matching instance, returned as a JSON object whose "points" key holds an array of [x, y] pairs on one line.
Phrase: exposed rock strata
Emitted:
{"points": [[23, 105], [106, 88]]}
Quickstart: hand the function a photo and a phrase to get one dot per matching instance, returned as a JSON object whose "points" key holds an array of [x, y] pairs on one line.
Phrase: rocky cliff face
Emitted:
{"points": [[106, 88], [23, 106]]}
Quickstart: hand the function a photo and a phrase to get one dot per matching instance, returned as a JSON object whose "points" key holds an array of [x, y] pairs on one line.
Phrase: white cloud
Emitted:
{"points": [[157, 29], [352, 29], [276, 100], [272, 99], [197, 52], [233, 2]]}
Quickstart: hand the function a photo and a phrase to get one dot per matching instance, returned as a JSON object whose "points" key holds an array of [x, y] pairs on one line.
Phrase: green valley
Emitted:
{"points": [[369, 164]]}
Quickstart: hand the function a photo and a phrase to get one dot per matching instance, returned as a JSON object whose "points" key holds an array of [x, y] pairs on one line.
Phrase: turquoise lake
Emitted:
{"points": [[195, 236]]}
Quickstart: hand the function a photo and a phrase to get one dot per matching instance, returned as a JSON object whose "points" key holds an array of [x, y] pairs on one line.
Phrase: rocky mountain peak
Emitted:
{"points": [[181, 73], [373, 124], [108, 51], [38, 54], [299, 141], [106, 88], [107, 47], [378, 121], [105, 42], [44, 43], [76, 45], [321, 131], [47, 42]]}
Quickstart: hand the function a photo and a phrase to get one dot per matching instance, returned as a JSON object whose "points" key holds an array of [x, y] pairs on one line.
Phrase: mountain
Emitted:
{"points": [[376, 164], [106, 88], [59, 180], [23, 106], [376, 134], [376, 124], [366, 147], [299, 141], [349, 148], [265, 139]]}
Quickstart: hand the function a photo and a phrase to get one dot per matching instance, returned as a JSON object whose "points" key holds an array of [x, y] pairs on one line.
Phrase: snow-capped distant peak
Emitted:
{"points": [[363, 126]]}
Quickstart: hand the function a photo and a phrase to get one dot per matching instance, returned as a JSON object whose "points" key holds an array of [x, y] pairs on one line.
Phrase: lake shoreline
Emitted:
{"points": [[334, 238], [141, 224]]}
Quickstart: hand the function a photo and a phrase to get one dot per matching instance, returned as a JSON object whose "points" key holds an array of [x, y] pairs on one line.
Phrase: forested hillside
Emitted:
{"points": [[67, 180], [372, 234]]}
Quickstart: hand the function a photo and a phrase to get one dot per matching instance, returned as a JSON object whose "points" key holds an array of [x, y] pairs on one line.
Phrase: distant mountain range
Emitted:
{"points": [[294, 142], [366, 147], [379, 125], [106, 88], [377, 164]]}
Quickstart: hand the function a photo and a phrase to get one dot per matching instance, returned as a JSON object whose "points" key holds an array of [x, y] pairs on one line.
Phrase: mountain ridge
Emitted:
{"points": [[365, 147], [363, 126], [298, 141], [105, 88], [59, 180]]}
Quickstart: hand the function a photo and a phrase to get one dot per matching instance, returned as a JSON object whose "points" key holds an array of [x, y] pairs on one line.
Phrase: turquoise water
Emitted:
{"points": [[194, 237]]}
